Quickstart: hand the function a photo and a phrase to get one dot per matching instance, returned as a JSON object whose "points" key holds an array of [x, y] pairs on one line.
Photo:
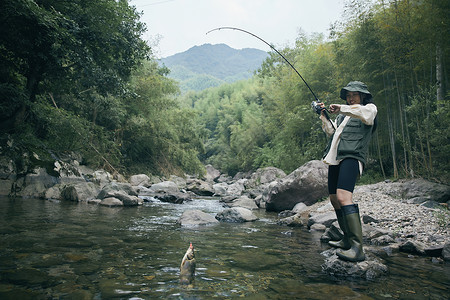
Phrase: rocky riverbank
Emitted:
{"points": [[410, 216]]}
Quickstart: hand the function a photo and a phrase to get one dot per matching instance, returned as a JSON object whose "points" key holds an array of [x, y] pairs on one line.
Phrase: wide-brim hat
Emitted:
{"points": [[354, 86]]}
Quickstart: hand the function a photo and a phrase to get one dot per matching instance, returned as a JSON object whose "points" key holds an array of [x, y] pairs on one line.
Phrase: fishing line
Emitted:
{"points": [[278, 52]]}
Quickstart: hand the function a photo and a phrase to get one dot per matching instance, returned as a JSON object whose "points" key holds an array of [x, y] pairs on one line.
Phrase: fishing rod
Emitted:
{"points": [[317, 108]]}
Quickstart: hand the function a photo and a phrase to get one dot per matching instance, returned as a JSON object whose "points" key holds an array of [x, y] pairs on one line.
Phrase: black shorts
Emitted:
{"points": [[343, 176]]}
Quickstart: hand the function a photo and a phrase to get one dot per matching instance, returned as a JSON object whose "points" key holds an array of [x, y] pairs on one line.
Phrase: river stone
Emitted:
{"points": [[299, 207], [195, 217], [212, 174], [173, 197], [126, 199], [333, 233], [237, 188], [236, 215], [244, 202], [264, 176], [446, 252], [111, 201], [200, 187], [307, 184], [114, 187], [82, 191], [292, 221], [369, 269], [220, 189], [140, 179], [322, 218], [413, 247]]}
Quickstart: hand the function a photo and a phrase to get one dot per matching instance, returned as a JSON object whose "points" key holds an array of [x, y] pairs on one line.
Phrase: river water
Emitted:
{"points": [[61, 250]]}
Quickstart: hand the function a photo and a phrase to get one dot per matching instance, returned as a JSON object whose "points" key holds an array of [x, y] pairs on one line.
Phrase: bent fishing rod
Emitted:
{"points": [[317, 108]]}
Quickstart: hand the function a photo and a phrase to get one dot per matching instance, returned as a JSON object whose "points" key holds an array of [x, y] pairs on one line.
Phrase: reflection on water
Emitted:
{"points": [[58, 250]]}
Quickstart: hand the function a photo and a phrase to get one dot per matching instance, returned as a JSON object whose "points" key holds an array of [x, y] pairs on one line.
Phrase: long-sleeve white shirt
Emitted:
{"points": [[366, 113]]}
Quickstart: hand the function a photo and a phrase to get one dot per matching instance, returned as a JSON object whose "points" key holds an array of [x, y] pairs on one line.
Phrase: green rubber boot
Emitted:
{"points": [[354, 232], [344, 243]]}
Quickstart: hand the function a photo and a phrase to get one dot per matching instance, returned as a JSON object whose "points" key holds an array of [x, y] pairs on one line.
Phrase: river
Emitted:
{"points": [[61, 250]]}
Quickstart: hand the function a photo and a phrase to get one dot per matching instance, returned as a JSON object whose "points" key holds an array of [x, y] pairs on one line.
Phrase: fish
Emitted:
{"points": [[187, 267]]}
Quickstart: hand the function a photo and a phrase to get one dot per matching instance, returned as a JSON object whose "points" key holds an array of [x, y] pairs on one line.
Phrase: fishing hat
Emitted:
{"points": [[354, 86]]}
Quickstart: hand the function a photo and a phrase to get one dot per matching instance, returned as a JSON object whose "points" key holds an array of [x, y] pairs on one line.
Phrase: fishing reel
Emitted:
{"points": [[317, 108]]}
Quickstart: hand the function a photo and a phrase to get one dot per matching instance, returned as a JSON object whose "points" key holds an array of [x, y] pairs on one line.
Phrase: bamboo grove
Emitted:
{"points": [[70, 83]]}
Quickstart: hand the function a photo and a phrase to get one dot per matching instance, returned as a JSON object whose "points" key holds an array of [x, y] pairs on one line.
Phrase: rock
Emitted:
{"points": [[220, 189], [212, 174], [382, 240], [115, 186], [245, 202], [299, 207], [333, 233], [200, 187], [237, 188], [413, 247], [174, 197], [140, 179], [179, 181], [446, 252], [366, 219], [82, 191], [111, 201], [53, 193], [285, 214], [102, 177], [431, 204], [307, 184], [369, 269], [195, 217], [291, 221], [434, 251], [423, 188], [322, 218], [236, 215], [165, 187], [264, 176], [317, 227], [127, 200]]}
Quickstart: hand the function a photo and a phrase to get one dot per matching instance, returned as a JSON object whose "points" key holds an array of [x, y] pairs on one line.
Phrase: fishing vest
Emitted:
{"points": [[354, 141]]}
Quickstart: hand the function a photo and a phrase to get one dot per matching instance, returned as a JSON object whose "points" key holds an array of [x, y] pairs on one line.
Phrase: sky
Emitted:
{"points": [[174, 26]]}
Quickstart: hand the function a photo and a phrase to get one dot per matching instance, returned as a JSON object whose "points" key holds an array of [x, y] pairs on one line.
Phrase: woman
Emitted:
{"points": [[346, 156]]}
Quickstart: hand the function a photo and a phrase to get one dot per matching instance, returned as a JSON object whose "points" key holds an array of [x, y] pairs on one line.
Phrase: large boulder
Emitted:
{"points": [[307, 184], [195, 217], [245, 202], [212, 174], [200, 187], [264, 176], [164, 187], [236, 215], [139, 180], [78, 192]]}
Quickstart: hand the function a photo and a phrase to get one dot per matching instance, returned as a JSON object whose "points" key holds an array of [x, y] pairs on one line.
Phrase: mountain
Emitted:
{"points": [[208, 65]]}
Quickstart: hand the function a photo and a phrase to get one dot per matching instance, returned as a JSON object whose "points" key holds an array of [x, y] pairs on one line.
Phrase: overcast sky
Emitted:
{"points": [[177, 25]]}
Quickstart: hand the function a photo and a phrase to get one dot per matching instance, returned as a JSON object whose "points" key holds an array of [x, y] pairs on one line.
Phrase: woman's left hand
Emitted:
{"points": [[335, 108]]}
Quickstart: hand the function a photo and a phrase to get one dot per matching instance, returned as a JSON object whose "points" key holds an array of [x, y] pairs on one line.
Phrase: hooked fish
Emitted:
{"points": [[187, 268]]}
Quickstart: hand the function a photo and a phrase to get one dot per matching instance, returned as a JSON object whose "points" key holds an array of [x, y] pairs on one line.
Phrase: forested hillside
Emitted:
{"points": [[76, 76], [208, 65], [399, 48]]}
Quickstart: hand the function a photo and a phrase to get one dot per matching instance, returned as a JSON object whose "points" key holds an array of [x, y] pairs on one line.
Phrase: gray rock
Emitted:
{"points": [[291, 221], [322, 218], [200, 187], [368, 269], [307, 184], [174, 197], [333, 233], [317, 227], [111, 202], [446, 252], [264, 176], [82, 191], [140, 179], [116, 186], [244, 202], [413, 247], [299, 207], [195, 217], [164, 187], [212, 174], [236, 215], [431, 204]]}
